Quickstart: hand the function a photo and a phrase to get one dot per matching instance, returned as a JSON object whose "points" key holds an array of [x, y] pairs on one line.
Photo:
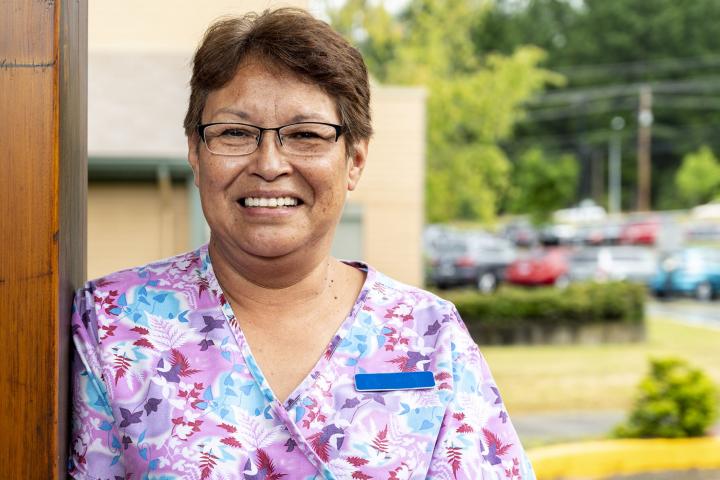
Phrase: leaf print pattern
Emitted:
{"points": [[165, 386], [121, 364], [166, 335], [179, 360], [380, 441]]}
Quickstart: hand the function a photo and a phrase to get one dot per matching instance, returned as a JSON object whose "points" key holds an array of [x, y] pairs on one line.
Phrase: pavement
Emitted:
{"points": [[561, 427], [705, 314], [557, 427]]}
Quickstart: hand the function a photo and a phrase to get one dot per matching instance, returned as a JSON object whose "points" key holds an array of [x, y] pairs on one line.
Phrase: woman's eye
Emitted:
{"points": [[306, 134], [234, 132]]}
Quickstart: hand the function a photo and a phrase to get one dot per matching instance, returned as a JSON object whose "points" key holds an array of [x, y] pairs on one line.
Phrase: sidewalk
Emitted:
{"points": [[556, 427], [561, 427]]}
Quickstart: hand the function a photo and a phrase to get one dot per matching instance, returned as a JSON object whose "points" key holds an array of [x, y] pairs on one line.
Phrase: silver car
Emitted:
{"points": [[631, 263], [476, 259]]}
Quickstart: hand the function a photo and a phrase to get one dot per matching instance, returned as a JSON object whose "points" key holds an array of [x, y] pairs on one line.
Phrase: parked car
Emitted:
{"points": [[599, 234], [703, 232], [472, 259], [709, 211], [631, 263], [640, 232], [558, 234], [540, 267], [520, 233], [692, 271]]}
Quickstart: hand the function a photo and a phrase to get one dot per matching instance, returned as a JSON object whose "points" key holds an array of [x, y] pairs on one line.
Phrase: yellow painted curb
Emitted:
{"points": [[604, 458]]}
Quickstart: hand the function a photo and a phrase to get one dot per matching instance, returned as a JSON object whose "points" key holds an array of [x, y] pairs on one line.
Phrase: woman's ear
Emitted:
{"points": [[357, 163], [193, 156]]}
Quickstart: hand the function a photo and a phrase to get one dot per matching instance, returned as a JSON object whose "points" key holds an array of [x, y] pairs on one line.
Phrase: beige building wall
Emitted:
{"points": [[131, 224], [392, 188], [152, 26]]}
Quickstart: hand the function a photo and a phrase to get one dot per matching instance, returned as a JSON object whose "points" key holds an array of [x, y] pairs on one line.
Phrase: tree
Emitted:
{"points": [[474, 100], [542, 185], [698, 178], [619, 44]]}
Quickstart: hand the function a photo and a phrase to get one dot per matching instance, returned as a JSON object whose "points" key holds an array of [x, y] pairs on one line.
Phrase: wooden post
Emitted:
{"points": [[43, 186]]}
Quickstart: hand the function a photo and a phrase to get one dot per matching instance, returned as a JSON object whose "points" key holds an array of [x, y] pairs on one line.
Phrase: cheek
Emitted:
{"points": [[216, 176]]}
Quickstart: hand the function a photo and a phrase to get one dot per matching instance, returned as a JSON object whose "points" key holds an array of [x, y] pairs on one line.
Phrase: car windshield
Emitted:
{"points": [[453, 247]]}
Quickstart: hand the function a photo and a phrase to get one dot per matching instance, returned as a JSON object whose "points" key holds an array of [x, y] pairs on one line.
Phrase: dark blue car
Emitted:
{"points": [[692, 271]]}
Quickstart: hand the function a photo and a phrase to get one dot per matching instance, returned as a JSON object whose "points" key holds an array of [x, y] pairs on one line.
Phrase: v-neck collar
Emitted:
{"points": [[306, 384]]}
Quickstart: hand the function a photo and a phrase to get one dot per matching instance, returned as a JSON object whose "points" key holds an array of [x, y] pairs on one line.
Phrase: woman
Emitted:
{"points": [[260, 356]]}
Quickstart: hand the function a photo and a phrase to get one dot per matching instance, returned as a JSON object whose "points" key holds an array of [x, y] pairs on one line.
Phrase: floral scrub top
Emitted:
{"points": [[165, 387]]}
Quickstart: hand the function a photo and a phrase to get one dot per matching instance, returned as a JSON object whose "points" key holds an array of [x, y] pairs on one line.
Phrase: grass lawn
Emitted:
{"points": [[595, 377]]}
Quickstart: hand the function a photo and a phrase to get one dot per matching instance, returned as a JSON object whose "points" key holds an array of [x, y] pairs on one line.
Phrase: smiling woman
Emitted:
{"points": [[260, 355]]}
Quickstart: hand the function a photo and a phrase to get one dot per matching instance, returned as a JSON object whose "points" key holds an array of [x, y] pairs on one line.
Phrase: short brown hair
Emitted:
{"points": [[291, 39]]}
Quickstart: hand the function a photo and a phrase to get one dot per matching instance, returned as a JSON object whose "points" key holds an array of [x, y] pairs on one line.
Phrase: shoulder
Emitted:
{"points": [[130, 295], [414, 308], [155, 274]]}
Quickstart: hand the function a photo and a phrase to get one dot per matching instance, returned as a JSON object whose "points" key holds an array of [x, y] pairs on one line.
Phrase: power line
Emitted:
{"points": [[664, 65], [577, 110], [579, 95]]}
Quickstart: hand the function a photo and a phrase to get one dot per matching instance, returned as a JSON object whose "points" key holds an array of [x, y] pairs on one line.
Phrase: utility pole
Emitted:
{"points": [[615, 165], [645, 120]]}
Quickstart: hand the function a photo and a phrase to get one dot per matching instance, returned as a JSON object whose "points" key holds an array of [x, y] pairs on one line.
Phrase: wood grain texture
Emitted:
{"points": [[42, 225], [72, 198]]}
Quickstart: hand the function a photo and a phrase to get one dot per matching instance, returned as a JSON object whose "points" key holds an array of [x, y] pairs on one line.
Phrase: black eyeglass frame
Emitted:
{"points": [[339, 130]]}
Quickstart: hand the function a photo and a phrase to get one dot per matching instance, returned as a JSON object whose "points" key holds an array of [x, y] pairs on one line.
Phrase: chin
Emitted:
{"points": [[269, 247]]}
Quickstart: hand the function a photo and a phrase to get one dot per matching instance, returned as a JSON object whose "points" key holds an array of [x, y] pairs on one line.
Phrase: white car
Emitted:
{"points": [[631, 263]]}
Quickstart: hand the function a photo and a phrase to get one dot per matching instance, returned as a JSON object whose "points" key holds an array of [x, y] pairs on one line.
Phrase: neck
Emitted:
{"points": [[256, 282]]}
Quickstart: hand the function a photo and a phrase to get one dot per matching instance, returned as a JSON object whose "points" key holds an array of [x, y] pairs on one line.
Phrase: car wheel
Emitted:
{"points": [[562, 282], [704, 292], [487, 282]]}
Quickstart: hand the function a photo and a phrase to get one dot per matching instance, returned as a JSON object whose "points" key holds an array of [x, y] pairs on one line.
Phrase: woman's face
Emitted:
{"points": [[319, 184]]}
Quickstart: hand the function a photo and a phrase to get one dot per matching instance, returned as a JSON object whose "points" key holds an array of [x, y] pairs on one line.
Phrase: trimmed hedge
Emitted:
{"points": [[512, 312]]}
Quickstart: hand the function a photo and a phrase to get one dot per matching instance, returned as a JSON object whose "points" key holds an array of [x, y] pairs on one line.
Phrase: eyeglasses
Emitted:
{"points": [[302, 139]]}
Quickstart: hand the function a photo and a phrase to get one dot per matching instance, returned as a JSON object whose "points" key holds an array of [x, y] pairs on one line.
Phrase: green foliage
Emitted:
{"points": [[372, 29], [579, 304], [620, 44], [698, 178], [675, 400], [541, 185], [474, 99]]}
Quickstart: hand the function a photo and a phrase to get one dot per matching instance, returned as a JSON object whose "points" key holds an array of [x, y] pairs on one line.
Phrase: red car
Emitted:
{"points": [[541, 267], [640, 232]]}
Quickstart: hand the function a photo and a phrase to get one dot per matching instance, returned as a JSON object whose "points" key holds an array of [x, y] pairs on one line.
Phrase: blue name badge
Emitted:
{"points": [[378, 382]]}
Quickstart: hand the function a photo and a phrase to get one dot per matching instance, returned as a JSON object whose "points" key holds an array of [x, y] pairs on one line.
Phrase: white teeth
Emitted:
{"points": [[270, 202]]}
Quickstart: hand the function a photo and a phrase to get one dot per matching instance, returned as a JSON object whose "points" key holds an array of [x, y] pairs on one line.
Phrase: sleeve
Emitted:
{"points": [[477, 439], [95, 448]]}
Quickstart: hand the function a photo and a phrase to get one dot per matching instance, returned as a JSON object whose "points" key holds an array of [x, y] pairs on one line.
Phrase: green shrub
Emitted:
{"points": [[675, 400], [579, 304]]}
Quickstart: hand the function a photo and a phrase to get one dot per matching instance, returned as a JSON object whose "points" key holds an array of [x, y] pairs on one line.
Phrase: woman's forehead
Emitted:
{"points": [[257, 90]]}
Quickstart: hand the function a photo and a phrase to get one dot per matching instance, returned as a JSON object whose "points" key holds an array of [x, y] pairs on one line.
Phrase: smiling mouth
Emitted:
{"points": [[272, 202]]}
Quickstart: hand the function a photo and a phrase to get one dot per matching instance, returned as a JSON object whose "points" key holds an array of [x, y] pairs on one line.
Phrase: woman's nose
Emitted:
{"points": [[268, 160]]}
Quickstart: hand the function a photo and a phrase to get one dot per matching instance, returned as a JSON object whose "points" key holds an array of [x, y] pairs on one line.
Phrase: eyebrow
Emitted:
{"points": [[301, 117], [232, 111]]}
